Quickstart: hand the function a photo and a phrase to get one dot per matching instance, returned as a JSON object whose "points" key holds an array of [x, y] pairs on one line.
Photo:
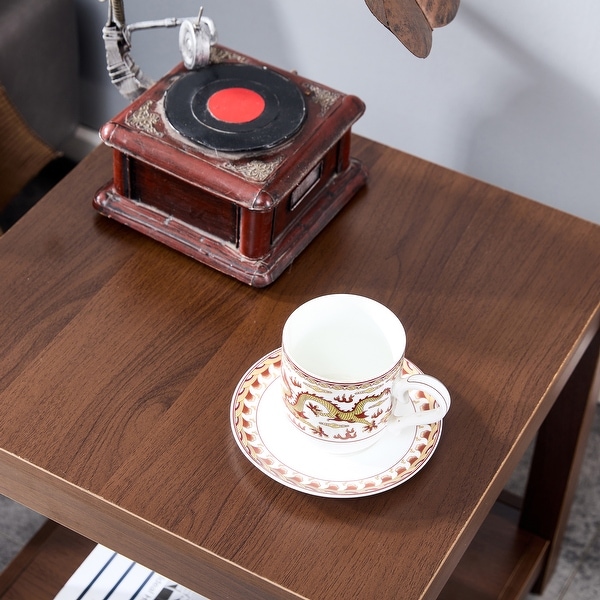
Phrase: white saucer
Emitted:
{"points": [[270, 441]]}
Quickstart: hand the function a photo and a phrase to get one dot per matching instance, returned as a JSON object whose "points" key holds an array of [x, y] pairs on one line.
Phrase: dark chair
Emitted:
{"points": [[39, 103]]}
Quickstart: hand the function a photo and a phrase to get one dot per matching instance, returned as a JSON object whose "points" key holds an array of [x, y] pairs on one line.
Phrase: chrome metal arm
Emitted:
{"points": [[196, 37]]}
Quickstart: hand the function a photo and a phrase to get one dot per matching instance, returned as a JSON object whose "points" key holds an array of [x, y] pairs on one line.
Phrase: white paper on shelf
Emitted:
{"points": [[106, 575]]}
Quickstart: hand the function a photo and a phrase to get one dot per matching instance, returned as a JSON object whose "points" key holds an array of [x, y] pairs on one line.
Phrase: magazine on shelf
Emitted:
{"points": [[106, 575]]}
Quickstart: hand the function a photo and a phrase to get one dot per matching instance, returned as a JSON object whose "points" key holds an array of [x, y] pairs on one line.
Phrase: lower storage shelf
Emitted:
{"points": [[501, 563], [43, 567]]}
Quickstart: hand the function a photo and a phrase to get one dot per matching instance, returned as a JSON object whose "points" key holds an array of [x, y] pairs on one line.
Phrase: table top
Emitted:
{"points": [[120, 358]]}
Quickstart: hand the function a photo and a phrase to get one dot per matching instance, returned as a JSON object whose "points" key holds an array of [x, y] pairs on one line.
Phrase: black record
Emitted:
{"points": [[187, 108]]}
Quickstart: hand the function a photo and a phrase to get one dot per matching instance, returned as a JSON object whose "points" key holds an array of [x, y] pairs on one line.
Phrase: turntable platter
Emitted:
{"points": [[235, 107]]}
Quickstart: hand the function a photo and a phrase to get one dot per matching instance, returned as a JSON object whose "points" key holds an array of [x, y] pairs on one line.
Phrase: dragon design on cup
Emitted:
{"points": [[367, 412]]}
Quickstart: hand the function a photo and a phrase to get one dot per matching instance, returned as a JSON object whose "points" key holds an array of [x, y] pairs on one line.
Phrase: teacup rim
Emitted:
{"points": [[399, 340], [343, 383]]}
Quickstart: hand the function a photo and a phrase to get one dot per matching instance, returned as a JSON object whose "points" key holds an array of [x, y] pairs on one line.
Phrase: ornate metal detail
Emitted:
{"points": [[324, 98], [219, 55], [144, 119], [257, 170]]}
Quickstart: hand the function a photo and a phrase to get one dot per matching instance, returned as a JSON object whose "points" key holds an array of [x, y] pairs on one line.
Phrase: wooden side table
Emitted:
{"points": [[112, 343]]}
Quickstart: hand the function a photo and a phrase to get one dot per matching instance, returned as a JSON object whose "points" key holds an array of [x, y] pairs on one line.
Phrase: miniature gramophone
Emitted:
{"points": [[233, 162]]}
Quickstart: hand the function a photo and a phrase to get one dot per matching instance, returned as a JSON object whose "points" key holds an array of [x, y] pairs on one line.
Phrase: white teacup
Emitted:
{"points": [[342, 373]]}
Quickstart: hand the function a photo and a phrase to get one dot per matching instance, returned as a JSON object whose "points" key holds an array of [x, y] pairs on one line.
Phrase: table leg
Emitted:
{"points": [[558, 455]]}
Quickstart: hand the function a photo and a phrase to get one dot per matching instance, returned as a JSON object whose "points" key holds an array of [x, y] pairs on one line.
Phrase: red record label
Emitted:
{"points": [[236, 105]]}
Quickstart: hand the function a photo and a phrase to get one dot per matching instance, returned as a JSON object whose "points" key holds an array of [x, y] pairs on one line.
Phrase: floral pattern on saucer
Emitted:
{"points": [[269, 440]]}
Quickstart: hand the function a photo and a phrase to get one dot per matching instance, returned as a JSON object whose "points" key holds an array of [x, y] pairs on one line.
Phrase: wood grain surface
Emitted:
{"points": [[412, 21], [439, 12], [120, 358]]}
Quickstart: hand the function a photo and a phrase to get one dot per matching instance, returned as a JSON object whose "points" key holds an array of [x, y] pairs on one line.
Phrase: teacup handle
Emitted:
{"points": [[424, 383]]}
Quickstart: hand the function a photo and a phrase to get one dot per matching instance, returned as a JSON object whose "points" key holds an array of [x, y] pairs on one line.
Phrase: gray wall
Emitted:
{"points": [[509, 94]]}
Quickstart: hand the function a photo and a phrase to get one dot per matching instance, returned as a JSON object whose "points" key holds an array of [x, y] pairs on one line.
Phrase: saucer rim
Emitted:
{"points": [[259, 367]]}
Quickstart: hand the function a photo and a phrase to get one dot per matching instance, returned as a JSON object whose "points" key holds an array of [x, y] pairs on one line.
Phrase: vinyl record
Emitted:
{"points": [[235, 107]]}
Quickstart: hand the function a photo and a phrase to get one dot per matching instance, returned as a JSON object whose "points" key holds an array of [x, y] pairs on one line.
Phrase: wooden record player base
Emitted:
{"points": [[225, 256]]}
